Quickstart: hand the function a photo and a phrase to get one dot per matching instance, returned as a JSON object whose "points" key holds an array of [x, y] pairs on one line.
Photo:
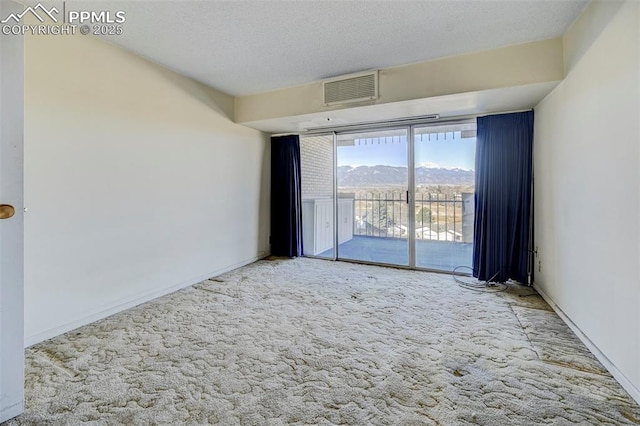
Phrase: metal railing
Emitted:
{"points": [[439, 216]]}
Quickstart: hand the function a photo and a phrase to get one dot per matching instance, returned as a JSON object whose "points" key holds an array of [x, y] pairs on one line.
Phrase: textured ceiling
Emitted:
{"points": [[246, 47]]}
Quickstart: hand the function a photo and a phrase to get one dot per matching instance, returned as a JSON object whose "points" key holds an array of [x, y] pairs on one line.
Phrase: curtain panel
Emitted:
{"points": [[504, 173], [286, 197]]}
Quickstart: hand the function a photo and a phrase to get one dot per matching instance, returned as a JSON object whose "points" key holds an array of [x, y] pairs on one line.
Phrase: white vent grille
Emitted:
{"points": [[354, 88]]}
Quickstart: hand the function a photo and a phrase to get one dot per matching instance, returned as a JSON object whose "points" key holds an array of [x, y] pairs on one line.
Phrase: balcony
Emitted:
{"points": [[430, 254], [443, 229]]}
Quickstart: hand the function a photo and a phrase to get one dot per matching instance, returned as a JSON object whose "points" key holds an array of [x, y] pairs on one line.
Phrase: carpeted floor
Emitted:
{"points": [[309, 341]]}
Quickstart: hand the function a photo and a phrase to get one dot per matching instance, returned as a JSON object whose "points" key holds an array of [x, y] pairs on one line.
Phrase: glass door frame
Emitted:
{"points": [[411, 186], [411, 195], [412, 183], [411, 213], [334, 207]]}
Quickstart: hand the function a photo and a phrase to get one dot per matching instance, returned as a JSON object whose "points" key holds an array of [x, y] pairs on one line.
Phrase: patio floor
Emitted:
{"points": [[437, 255]]}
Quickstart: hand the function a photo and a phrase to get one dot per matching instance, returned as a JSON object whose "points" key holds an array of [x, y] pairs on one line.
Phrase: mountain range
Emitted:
{"points": [[367, 176]]}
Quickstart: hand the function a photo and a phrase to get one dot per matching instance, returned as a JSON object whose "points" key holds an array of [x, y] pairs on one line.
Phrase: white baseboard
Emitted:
{"points": [[617, 374], [130, 302], [11, 411]]}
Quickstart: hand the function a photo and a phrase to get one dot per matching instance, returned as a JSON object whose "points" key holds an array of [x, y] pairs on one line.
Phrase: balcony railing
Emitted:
{"points": [[438, 216]]}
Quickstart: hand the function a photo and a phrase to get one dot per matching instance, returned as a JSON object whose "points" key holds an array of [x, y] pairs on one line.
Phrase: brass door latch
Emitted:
{"points": [[6, 211]]}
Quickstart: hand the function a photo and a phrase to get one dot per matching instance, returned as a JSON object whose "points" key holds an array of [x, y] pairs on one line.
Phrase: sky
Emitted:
{"points": [[452, 152]]}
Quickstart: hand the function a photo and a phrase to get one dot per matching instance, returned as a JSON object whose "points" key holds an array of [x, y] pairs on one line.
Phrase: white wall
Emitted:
{"points": [[137, 183], [587, 199], [11, 229]]}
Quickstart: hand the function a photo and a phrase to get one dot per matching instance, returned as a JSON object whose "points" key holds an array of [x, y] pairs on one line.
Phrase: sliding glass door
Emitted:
{"points": [[444, 195], [398, 196], [317, 179], [372, 205]]}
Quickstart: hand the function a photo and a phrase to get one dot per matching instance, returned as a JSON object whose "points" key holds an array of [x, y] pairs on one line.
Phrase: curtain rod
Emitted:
{"points": [[398, 122], [385, 124]]}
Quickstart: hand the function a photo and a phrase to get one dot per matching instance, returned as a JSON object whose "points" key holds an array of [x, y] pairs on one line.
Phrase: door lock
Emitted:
{"points": [[6, 211]]}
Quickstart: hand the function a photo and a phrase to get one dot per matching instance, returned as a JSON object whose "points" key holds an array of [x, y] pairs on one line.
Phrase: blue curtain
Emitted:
{"points": [[504, 154], [286, 197]]}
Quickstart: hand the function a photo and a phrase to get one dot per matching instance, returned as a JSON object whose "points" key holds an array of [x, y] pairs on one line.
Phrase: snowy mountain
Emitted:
{"points": [[366, 176]]}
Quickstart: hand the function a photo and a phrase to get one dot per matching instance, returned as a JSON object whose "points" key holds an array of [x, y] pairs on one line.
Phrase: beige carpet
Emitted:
{"points": [[308, 341]]}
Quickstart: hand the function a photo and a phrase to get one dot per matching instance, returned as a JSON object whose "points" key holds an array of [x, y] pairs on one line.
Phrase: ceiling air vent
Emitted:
{"points": [[352, 88]]}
